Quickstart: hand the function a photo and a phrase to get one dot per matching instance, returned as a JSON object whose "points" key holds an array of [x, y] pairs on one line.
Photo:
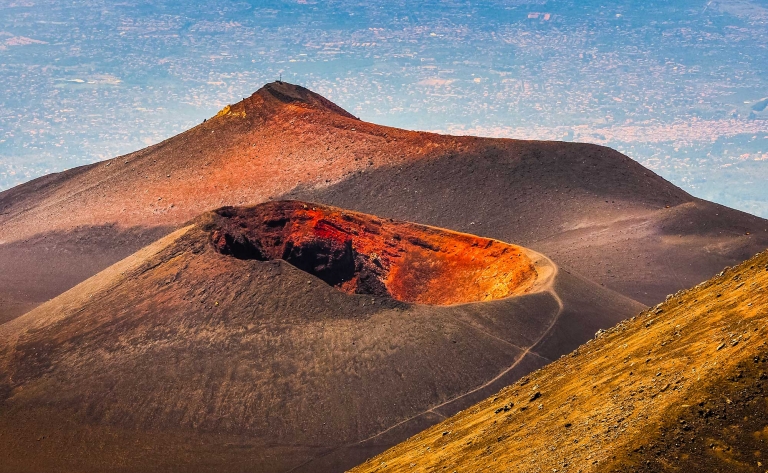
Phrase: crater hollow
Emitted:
{"points": [[364, 254]]}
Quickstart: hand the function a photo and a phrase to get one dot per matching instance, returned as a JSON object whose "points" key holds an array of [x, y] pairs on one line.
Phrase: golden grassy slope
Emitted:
{"points": [[681, 387]]}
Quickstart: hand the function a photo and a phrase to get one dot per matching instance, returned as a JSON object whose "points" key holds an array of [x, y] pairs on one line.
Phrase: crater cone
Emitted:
{"points": [[362, 254], [213, 349]]}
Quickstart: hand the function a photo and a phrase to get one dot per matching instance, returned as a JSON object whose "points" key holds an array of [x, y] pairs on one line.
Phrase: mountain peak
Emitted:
{"points": [[278, 93]]}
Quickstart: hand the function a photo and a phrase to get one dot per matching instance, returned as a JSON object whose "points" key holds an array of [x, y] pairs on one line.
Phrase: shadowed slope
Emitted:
{"points": [[589, 208], [182, 358], [43, 266], [681, 387]]}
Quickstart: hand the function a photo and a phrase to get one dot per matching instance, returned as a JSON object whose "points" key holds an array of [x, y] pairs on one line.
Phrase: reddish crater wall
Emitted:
{"points": [[363, 254]]}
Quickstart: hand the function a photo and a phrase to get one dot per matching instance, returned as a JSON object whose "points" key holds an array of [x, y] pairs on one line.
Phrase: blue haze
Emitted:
{"points": [[676, 85]]}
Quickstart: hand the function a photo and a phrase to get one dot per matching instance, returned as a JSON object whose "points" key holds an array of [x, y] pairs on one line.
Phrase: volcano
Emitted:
{"points": [[288, 336], [591, 209]]}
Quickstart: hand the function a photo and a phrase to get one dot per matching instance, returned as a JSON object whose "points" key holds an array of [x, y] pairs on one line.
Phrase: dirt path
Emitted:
{"points": [[547, 285], [548, 271]]}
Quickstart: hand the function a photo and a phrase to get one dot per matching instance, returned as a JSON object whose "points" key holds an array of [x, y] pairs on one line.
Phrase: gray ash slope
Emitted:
{"points": [[591, 209]]}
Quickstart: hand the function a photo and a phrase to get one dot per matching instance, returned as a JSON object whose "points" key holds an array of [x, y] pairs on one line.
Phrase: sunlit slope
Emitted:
{"points": [[680, 387], [62, 228], [271, 338]]}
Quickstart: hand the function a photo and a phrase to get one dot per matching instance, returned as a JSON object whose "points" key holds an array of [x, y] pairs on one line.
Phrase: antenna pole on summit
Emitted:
{"points": [[281, 78]]}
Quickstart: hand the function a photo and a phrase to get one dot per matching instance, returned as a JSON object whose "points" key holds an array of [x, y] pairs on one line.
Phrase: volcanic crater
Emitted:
{"points": [[361, 254]]}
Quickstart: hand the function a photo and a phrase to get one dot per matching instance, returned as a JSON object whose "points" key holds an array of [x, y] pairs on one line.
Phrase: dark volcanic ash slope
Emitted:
{"points": [[681, 387], [592, 209], [210, 350]]}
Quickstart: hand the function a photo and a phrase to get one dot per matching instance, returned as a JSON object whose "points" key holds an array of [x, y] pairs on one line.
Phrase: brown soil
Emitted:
{"points": [[680, 387]]}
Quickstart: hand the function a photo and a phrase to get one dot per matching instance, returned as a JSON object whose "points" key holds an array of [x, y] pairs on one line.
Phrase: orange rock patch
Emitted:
{"points": [[363, 254]]}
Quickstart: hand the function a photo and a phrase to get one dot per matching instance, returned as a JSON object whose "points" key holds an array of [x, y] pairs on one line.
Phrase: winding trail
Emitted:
{"points": [[544, 284]]}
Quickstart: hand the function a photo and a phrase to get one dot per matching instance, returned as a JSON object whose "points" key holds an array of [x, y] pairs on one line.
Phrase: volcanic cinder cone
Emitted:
{"points": [[286, 336]]}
